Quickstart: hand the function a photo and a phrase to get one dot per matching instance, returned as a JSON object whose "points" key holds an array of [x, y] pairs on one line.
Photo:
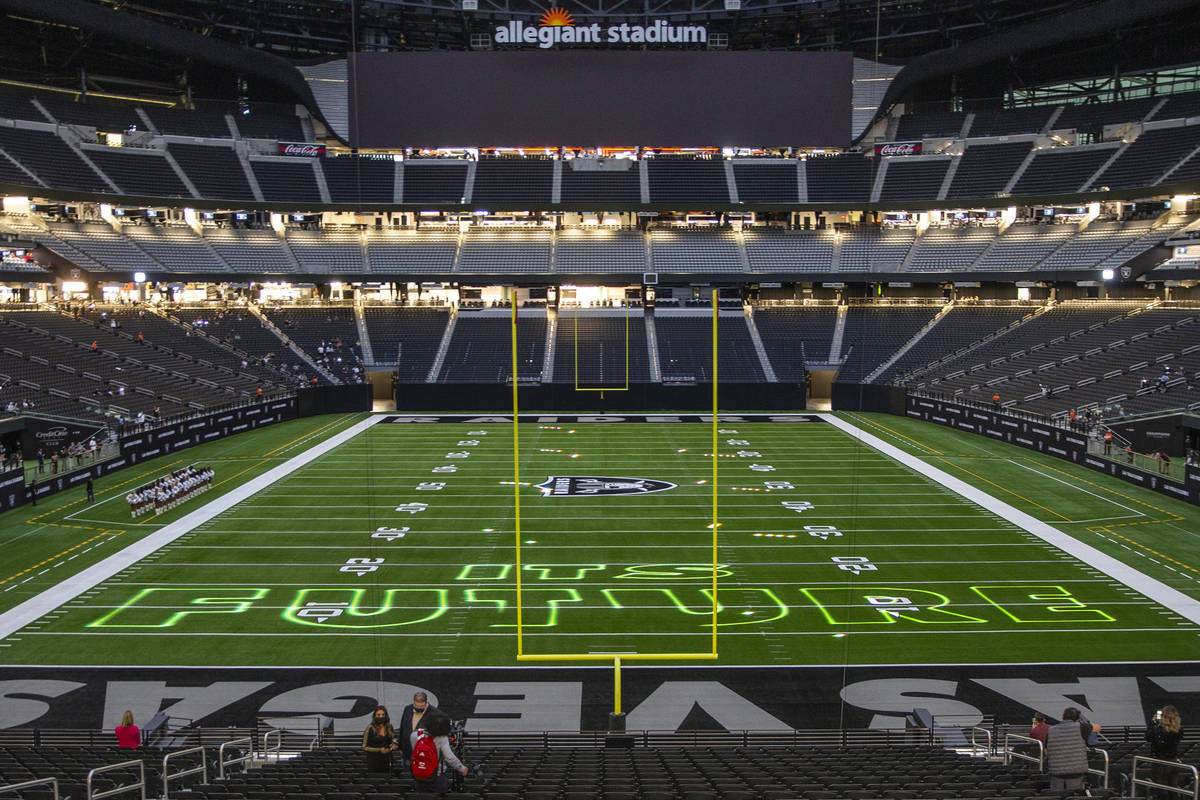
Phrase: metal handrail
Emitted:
{"points": [[1135, 781], [16, 787], [975, 747], [1103, 775], [1010, 754], [141, 784], [266, 743], [167, 777], [222, 763]]}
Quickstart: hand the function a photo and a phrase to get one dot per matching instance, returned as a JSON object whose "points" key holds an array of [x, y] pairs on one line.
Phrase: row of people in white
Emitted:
{"points": [[169, 491]]}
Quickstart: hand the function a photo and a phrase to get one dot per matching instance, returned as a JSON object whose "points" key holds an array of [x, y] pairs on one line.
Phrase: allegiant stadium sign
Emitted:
{"points": [[548, 35]]}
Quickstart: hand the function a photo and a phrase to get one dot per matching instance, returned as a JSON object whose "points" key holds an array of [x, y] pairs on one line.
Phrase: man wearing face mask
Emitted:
{"points": [[410, 720]]}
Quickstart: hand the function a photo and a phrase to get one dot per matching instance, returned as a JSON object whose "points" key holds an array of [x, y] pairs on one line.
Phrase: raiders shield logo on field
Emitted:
{"points": [[593, 486]]}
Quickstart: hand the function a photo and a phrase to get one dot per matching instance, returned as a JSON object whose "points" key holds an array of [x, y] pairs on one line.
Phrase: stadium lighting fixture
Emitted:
{"points": [[1107, 274], [139, 277]]}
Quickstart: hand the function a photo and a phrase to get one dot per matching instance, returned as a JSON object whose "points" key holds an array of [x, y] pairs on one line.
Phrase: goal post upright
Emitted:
{"points": [[517, 480], [715, 524], [601, 389]]}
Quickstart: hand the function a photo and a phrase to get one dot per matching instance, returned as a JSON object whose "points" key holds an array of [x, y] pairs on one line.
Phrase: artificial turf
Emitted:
{"points": [[829, 552]]}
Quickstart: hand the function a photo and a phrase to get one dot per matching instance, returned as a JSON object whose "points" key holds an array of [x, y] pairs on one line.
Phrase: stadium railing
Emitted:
{"points": [[1135, 781], [122, 789], [23, 785]]}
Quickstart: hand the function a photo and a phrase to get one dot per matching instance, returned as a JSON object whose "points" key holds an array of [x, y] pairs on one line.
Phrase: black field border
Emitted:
{"points": [[576, 419], [662, 698]]}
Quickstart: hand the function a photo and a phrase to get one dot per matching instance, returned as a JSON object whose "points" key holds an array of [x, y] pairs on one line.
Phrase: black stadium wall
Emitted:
{"points": [[493, 397], [572, 699], [1033, 435], [151, 443], [1030, 434]]}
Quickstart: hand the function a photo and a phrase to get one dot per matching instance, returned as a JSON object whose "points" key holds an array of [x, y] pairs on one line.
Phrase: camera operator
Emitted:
{"points": [[437, 725], [1164, 734]]}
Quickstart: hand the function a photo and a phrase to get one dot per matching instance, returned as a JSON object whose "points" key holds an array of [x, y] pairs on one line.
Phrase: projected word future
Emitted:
{"points": [[556, 590]]}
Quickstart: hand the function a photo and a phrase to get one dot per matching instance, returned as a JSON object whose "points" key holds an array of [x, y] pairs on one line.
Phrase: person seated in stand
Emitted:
{"points": [[128, 735]]}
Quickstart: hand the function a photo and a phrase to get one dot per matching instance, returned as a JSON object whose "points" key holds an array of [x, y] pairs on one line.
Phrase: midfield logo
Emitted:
{"points": [[592, 486]]}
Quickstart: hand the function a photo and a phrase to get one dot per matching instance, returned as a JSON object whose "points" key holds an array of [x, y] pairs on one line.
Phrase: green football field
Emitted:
{"points": [[398, 547]]}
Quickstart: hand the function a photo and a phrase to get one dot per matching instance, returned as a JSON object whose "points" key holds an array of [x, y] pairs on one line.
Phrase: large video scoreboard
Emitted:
{"points": [[593, 97]]}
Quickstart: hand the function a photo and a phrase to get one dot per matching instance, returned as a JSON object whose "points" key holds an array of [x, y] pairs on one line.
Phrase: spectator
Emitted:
{"points": [[1164, 734], [128, 734], [410, 720], [1066, 752], [996, 401], [1039, 728], [379, 741]]}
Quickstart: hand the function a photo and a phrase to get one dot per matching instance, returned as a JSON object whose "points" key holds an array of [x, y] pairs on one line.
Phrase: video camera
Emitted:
{"points": [[458, 744]]}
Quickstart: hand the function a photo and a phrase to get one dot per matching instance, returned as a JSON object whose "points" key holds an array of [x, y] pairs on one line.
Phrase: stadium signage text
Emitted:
{"points": [[547, 36], [301, 149], [898, 149], [564, 699]]}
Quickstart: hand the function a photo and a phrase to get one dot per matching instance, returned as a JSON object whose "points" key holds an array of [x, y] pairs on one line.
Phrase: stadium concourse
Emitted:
{"points": [[813, 405]]}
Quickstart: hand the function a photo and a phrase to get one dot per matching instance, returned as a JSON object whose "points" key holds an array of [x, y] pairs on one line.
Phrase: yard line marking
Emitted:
{"points": [[1173, 599], [1079, 488], [541, 548], [34, 608], [756, 634], [875, 424], [506, 585]]}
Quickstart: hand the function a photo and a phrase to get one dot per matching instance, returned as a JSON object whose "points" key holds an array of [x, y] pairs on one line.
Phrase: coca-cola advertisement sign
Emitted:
{"points": [[898, 149], [301, 149]]}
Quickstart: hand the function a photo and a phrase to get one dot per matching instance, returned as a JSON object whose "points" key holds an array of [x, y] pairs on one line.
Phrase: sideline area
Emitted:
{"points": [[27, 612], [1157, 591]]}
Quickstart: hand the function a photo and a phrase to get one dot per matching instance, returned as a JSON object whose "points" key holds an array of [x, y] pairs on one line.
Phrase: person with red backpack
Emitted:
{"points": [[432, 754]]}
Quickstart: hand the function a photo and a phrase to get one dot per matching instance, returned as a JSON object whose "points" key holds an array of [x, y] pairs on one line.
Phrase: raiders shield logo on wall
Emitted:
{"points": [[593, 486]]}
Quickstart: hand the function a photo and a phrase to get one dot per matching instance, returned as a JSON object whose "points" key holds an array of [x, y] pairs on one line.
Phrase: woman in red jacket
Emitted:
{"points": [[128, 734]]}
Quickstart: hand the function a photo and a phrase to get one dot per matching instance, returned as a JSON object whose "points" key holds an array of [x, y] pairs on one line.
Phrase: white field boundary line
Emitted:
{"points": [[35, 607], [1172, 599], [1068, 484]]}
